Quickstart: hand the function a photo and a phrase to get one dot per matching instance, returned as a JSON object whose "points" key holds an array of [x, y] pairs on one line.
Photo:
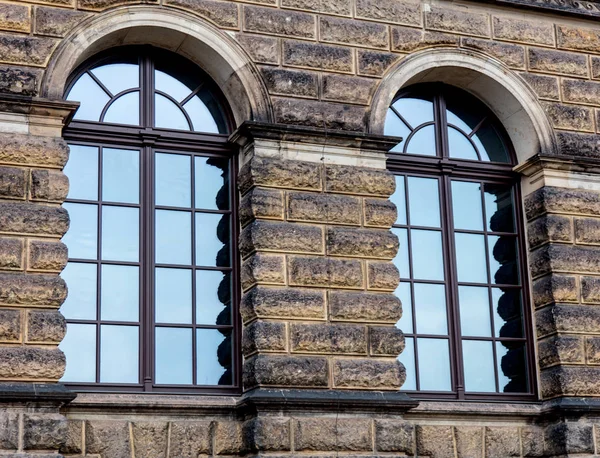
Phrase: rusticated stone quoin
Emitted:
{"points": [[264, 336], [325, 272], [280, 174], [291, 371], [269, 302], [281, 237], [47, 326], [263, 269], [361, 243], [555, 288], [33, 150], [11, 253], [10, 325], [261, 203], [327, 208], [368, 373], [17, 218], [562, 200], [32, 290], [328, 338], [369, 307], [47, 256], [31, 363]]}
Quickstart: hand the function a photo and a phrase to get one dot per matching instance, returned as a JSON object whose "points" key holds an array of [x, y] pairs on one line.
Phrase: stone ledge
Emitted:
{"points": [[35, 392]]}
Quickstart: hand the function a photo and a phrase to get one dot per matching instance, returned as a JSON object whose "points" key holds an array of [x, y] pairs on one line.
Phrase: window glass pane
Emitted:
{"points": [[396, 128], [120, 293], [119, 354], [428, 263], [173, 234], [504, 267], [82, 170], [512, 367], [79, 346], [466, 205], [212, 237], [121, 175], [508, 312], [478, 360], [499, 208], [214, 357], [82, 282], [173, 180], [174, 296], [124, 110], [399, 199], [474, 311], [406, 322], [168, 115], [459, 146], [415, 110], [213, 298], [171, 86], [120, 234], [434, 365], [202, 119], [212, 183], [407, 358], [490, 144], [118, 77], [401, 260], [82, 236], [424, 201], [91, 96], [173, 356], [471, 258], [430, 309], [422, 142]]}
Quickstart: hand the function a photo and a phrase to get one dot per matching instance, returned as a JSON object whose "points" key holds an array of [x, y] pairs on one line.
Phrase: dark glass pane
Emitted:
{"points": [[471, 258], [120, 234], [173, 237], [171, 86], [427, 256], [173, 296], [213, 298], [119, 354], [118, 77], [396, 128], [407, 358], [424, 201], [499, 208], [82, 281], [434, 365], [124, 110], [202, 118], [212, 240], [490, 144], [121, 175], [466, 205], [406, 322], [422, 142], [91, 97], [402, 260], [478, 361], [120, 293], [430, 309], [399, 199], [168, 115], [173, 350], [82, 170], [214, 357], [504, 267], [463, 110], [173, 180], [212, 183], [512, 367], [82, 236], [416, 110], [79, 347], [508, 312], [474, 302], [459, 146]]}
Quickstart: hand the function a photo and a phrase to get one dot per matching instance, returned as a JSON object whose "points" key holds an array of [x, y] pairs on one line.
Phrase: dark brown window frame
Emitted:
{"points": [[445, 169], [149, 140]]}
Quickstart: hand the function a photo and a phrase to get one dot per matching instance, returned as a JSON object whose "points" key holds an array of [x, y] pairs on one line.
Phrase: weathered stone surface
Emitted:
{"points": [[267, 302], [318, 56], [511, 55], [532, 440], [435, 441], [190, 438], [592, 350], [108, 438], [296, 371], [290, 82], [44, 431], [394, 436], [47, 255], [382, 276], [549, 228], [100, 5], [224, 14], [565, 63], [587, 230], [555, 288], [32, 290], [560, 350], [457, 20], [45, 326], [338, 7], [502, 442], [228, 438], [565, 258], [469, 441], [368, 373], [405, 39], [56, 22], [351, 31], [590, 289], [579, 145], [373, 63], [261, 203], [546, 87], [29, 149], [580, 91], [562, 200], [9, 430], [349, 89], [11, 253], [370, 307], [263, 336], [569, 37], [535, 32], [73, 443], [10, 325], [15, 17], [406, 12], [281, 237], [326, 272], [31, 363], [280, 22], [268, 434], [563, 318], [356, 180], [386, 341], [261, 49], [13, 182], [33, 219], [570, 117], [572, 380], [336, 116], [263, 269], [566, 438], [280, 173], [328, 338], [367, 243], [333, 434], [379, 213], [326, 208], [49, 185], [19, 49], [150, 439]]}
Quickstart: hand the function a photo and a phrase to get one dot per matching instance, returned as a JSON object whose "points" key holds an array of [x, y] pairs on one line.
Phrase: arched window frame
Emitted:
{"points": [[148, 140], [445, 169]]}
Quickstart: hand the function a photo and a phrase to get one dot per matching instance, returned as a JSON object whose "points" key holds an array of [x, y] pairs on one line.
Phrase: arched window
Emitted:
{"points": [[461, 248], [151, 270]]}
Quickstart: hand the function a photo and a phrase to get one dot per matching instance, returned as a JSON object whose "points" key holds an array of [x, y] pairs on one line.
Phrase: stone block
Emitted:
{"points": [[355, 180], [265, 302], [10, 326], [511, 55], [592, 350], [349, 89], [406, 12], [567, 438], [570, 380], [325, 208], [533, 32], [318, 56], [435, 441], [595, 67], [261, 203], [290, 82], [502, 442], [560, 62], [263, 336], [580, 91], [281, 237], [261, 49], [328, 338], [73, 444], [353, 32], [15, 18], [372, 374], [9, 430], [405, 39], [268, 434], [546, 87], [562, 200], [580, 319], [99, 5], [150, 439], [394, 436], [325, 272], [44, 431], [328, 115], [32, 290], [555, 288], [337, 7], [549, 228], [565, 258], [532, 441], [263, 269], [382, 276], [280, 173], [23, 149], [19, 80], [587, 230], [361, 306], [333, 434], [31, 363], [570, 117], [469, 441], [47, 256], [379, 213], [228, 438], [457, 21], [49, 185], [290, 371], [386, 341], [108, 438], [56, 22], [579, 145], [374, 63], [13, 182], [279, 22], [363, 243], [45, 326], [27, 50], [21, 218], [590, 289], [190, 438], [576, 38], [560, 349], [223, 14], [11, 253]]}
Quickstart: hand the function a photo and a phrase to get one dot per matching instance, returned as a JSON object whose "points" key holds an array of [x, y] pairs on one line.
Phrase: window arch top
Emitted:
{"points": [[147, 88], [443, 121]]}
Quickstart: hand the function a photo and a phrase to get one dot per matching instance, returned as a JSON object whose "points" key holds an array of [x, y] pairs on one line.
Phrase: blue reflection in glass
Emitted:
{"points": [[121, 175], [82, 236], [173, 237], [212, 191], [430, 309], [173, 180], [422, 142], [91, 96], [214, 357], [120, 234], [168, 115], [119, 354], [434, 365], [415, 111], [466, 205], [201, 117], [79, 346], [402, 260], [174, 295], [213, 294], [173, 352], [406, 322], [478, 361], [471, 258], [399, 199], [424, 201], [474, 311], [427, 256], [211, 231], [407, 358], [118, 77], [396, 128], [81, 301], [82, 170], [171, 86], [120, 293], [124, 110], [459, 146]]}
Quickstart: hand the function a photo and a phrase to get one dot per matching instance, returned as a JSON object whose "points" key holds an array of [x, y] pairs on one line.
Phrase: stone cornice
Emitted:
{"points": [[588, 8]]}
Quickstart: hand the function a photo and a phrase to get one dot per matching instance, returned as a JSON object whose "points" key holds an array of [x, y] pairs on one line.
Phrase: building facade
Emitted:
{"points": [[271, 228]]}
